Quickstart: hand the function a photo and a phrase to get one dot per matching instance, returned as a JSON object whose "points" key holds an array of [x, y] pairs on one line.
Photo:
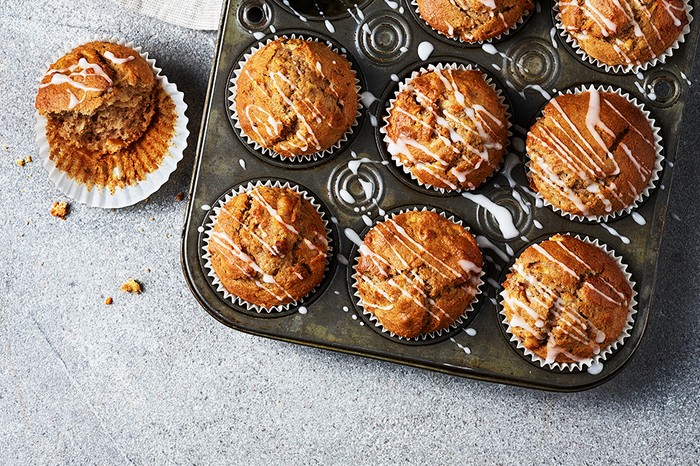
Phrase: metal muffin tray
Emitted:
{"points": [[385, 41]]}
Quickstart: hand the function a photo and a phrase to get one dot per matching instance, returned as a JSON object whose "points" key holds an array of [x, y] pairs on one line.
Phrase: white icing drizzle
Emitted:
{"points": [[118, 61], [502, 216], [425, 49]]}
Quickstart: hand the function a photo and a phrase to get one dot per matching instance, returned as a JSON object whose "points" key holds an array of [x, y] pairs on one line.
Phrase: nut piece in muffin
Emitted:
{"points": [[624, 32], [268, 246], [109, 121], [566, 300], [418, 273], [473, 20], [448, 127], [592, 154], [296, 97]]}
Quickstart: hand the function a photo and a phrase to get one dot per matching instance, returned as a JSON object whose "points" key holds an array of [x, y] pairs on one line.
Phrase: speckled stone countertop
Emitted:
{"points": [[154, 379]]}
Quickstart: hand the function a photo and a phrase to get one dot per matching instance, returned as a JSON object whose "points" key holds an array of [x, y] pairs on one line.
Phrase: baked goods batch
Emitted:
{"points": [[417, 275]]}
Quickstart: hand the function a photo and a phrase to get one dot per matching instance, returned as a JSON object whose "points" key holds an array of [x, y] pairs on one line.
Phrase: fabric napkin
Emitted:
{"points": [[193, 14]]}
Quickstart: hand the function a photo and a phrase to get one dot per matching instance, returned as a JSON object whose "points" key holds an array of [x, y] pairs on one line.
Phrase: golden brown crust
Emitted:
{"points": [[418, 272], [566, 300], [269, 246], [621, 32], [581, 174], [296, 97], [449, 128], [473, 20]]}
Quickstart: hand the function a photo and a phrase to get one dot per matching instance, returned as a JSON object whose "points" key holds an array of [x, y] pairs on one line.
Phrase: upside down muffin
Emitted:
{"points": [[624, 32], [592, 154], [296, 97], [418, 272], [448, 127], [473, 20], [566, 300], [268, 246], [109, 121]]}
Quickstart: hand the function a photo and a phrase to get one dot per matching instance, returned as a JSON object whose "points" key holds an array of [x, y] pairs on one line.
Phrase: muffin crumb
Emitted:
{"points": [[108, 301], [20, 162], [60, 210], [28, 159], [180, 196], [131, 286]]}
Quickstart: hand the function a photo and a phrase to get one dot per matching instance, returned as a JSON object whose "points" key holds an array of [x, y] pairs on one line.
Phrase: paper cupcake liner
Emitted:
{"points": [[634, 69], [437, 333], [604, 352], [101, 196], [269, 152], [442, 67], [206, 256], [655, 172], [504, 34]]}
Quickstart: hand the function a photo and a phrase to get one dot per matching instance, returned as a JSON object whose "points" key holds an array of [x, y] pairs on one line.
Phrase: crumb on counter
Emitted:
{"points": [[180, 196], [131, 286], [20, 162], [109, 300], [60, 210], [28, 159]]}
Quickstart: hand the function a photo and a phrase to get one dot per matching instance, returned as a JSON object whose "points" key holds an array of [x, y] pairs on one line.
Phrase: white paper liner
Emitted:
{"points": [[633, 68], [443, 67], [518, 23], [604, 352], [247, 187], [267, 151], [655, 173], [99, 196], [437, 333]]}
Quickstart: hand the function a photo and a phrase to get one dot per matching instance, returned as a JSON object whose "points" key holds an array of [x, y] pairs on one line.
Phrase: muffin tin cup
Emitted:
{"points": [[460, 40], [232, 92], [206, 256], [442, 67], [99, 196], [593, 364], [623, 69], [655, 173], [432, 336]]}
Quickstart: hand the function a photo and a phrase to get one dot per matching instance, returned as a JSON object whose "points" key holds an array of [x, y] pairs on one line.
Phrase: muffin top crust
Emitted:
{"points": [[566, 300], [448, 127], [624, 32], [418, 272], [473, 20], [592, 154], [268, 246], [296, 97]]}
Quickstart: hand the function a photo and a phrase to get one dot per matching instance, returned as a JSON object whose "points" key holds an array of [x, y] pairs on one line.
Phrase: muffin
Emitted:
{"points": [[592, 154], [296, 97], [621, 32], [448, 128], [268, 246], [109, 120], [418, 273], [473, 20], [566, 300]]}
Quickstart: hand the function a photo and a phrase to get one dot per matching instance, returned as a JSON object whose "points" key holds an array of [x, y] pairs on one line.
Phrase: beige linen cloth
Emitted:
{"points": [[193, 14]]}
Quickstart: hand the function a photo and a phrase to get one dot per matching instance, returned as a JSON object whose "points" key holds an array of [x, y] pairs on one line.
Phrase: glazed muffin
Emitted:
{"points": [[448, 128], [592, 154], [268, 246], [566, 300], [622, 32], [109, 121], [418, 273], [296, 97], [473, 20]]}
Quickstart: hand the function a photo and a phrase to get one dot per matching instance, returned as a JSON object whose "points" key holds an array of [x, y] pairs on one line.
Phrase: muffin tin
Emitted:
{"points": [[357, 185]]}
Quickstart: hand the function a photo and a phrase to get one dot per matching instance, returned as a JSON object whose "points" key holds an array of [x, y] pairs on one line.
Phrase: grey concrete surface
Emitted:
{"points": [[154, 379]]}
